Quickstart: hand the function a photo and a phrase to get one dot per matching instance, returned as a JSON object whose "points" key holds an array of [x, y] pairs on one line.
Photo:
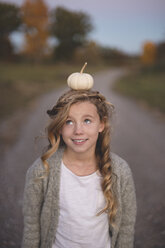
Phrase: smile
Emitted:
{"points": [[79, 141]]}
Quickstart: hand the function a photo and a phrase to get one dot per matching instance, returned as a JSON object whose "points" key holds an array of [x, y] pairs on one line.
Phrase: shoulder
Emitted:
{"points": [[37, 169], [119, 166], [124, 176], [119, 163]]}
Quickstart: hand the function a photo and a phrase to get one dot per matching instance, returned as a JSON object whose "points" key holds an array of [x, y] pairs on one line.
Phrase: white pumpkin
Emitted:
{"points": [[80, 80]]}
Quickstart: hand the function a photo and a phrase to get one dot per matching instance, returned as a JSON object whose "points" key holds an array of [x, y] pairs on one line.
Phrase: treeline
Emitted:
{"points": [[153, 55], [61, 35], [67, 29]]}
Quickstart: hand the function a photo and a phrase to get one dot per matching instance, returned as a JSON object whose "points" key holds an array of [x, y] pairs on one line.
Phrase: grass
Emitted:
{"points": [[147, 85], [21, 83]]}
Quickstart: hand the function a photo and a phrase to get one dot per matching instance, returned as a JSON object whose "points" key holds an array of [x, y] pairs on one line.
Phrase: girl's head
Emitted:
{"points": [[59, 113]]}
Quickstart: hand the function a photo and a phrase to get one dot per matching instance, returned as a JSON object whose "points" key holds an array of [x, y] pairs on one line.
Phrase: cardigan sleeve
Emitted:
{"points": [[125, 237], [32, 204]]}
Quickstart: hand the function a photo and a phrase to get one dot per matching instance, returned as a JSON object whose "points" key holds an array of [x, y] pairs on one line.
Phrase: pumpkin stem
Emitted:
{"points": [[83, 67]]}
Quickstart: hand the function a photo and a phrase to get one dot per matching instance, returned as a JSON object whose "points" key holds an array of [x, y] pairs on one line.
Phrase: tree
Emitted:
{"points": [[10, 20], [149, 53], [161, 53], [35, 16], [70, 28]]}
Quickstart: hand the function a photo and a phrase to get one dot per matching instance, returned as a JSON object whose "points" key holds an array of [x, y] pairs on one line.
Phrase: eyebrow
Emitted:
{"points": [[88, 116], [84, 116]]}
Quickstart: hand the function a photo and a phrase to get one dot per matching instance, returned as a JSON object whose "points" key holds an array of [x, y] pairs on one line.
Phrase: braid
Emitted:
{"points": [[106, 172]]}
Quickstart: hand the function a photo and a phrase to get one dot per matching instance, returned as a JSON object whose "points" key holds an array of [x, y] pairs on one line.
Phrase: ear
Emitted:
{"points": [[102, 125]]}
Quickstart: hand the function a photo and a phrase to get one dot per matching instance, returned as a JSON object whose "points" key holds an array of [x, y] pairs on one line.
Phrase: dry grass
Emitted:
{"points": [[147, 85]]}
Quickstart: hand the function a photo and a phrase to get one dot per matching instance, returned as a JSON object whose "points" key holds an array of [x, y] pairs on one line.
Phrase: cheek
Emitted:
{"points": [[66, 131], [94, 131]]}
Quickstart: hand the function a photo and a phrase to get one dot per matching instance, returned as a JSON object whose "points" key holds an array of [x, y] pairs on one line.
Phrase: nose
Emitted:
{"points": [[78, 128]]}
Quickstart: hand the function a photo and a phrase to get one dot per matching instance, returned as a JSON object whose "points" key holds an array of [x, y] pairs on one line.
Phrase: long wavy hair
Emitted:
{"points": [[59, 114]]}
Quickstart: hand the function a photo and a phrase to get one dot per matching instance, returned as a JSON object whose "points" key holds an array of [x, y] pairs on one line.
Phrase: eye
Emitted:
{"points": [[87, 121], [69, 122]]}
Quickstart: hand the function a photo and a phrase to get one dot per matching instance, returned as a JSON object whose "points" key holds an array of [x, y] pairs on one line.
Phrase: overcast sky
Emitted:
{"points": [[123, 24]]}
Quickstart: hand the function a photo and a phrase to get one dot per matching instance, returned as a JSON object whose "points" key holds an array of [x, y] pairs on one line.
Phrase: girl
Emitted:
{"points": [[79, 194]]}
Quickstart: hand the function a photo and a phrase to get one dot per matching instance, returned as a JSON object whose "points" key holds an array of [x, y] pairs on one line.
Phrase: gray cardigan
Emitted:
{"points": [[41, 204]]}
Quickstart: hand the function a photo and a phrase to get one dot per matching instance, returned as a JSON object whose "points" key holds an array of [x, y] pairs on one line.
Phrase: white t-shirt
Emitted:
{"points": [[81, 198]]}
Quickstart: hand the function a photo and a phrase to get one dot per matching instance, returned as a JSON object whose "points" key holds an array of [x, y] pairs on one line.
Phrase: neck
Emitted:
{"points": [[80, 157], [80, 164]]}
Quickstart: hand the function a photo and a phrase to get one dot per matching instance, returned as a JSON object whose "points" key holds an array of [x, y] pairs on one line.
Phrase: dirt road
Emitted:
{"points": [[137, 136]]}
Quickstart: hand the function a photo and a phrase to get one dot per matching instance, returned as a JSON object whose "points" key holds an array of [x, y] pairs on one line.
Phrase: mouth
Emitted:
{"points": [[79, 141]]}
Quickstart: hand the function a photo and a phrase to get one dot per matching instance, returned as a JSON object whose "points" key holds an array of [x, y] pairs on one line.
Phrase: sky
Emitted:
{"points": [[121, 24]]}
